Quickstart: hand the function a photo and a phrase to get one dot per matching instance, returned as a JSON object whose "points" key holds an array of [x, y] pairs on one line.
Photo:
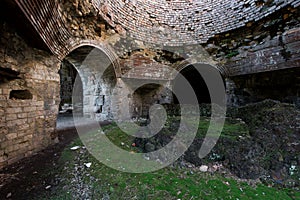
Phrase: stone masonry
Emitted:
{"points": [[132, 41], [27, 120]]}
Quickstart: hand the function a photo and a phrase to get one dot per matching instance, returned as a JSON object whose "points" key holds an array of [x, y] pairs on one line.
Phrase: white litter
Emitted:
{"points": [[75, 148], [88, 165], [48, 187]]}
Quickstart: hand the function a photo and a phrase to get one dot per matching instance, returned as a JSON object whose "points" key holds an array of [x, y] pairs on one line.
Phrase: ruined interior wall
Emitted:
{"points": [[67, 78], [282, 85], [146, 96], [261, 59], [265, 45], [27, 125]]}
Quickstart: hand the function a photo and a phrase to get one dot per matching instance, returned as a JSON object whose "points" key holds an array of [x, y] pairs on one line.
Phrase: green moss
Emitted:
{"points": [[167, 183], [231, 129], [232, 54], [170, 183]]}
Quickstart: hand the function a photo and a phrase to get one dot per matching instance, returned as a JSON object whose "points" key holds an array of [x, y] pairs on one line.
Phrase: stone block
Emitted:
{"points": [[32, 114], [11, 148], [40, 108], [11, 117], [3, 160], [28, 153], [23, 145], [28, 137], [14, 110], [16, 122], [3, 97], [22, 134], [3, 103], [29, 109], [22, 115], [6, 91], [15, 159], [39, 103], [5, 144], [292, 35], [24, 127], [11, 136]]}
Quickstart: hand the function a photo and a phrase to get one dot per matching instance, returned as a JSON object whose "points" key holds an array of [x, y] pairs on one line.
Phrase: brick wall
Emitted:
{"points": [[276, 53], [27, 119]]}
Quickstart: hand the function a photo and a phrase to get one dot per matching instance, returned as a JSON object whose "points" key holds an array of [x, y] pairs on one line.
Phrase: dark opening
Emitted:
{"points": [[7, 75], [20, 94], [68, 76], [191, 74], [282, 85]]}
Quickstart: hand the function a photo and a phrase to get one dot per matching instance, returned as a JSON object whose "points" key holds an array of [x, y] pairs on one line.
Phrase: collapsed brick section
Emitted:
{"points": [[83, 20], [29, 98], [266, 45]]}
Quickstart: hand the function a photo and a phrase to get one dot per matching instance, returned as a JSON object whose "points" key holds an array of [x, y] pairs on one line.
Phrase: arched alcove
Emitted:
{"points": [[96, 73], [143, 98]]}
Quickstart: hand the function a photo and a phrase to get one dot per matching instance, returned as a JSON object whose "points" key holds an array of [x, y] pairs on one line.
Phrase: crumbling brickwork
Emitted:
{"points": [[29, 98]]}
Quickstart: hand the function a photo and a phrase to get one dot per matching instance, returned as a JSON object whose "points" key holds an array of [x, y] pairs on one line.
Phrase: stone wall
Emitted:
{"points": [[140, 66], [29, 97], [279, 52], [282, 85], [67, 79]]}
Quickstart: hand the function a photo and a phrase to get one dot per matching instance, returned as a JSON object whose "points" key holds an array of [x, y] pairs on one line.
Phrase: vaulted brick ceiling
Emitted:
{"points": [[177, 22]]}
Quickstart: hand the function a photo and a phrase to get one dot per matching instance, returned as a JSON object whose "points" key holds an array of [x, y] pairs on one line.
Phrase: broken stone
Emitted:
{"points": [[8, 195], [149, 147], [204, 168]]}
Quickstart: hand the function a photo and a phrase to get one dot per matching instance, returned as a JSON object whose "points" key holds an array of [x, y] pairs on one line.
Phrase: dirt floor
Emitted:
{"points": [[23, 180], [274, 126], [20, 180]]}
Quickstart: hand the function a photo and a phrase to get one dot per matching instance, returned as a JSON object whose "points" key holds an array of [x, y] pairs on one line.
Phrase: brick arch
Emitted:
{"points": [[222, 69], [209, 81], [105, 48], [98, 76]]}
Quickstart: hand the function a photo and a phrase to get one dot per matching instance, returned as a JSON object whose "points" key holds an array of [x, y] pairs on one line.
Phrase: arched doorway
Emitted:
{"points": [[96, 80], [195, 79]]}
